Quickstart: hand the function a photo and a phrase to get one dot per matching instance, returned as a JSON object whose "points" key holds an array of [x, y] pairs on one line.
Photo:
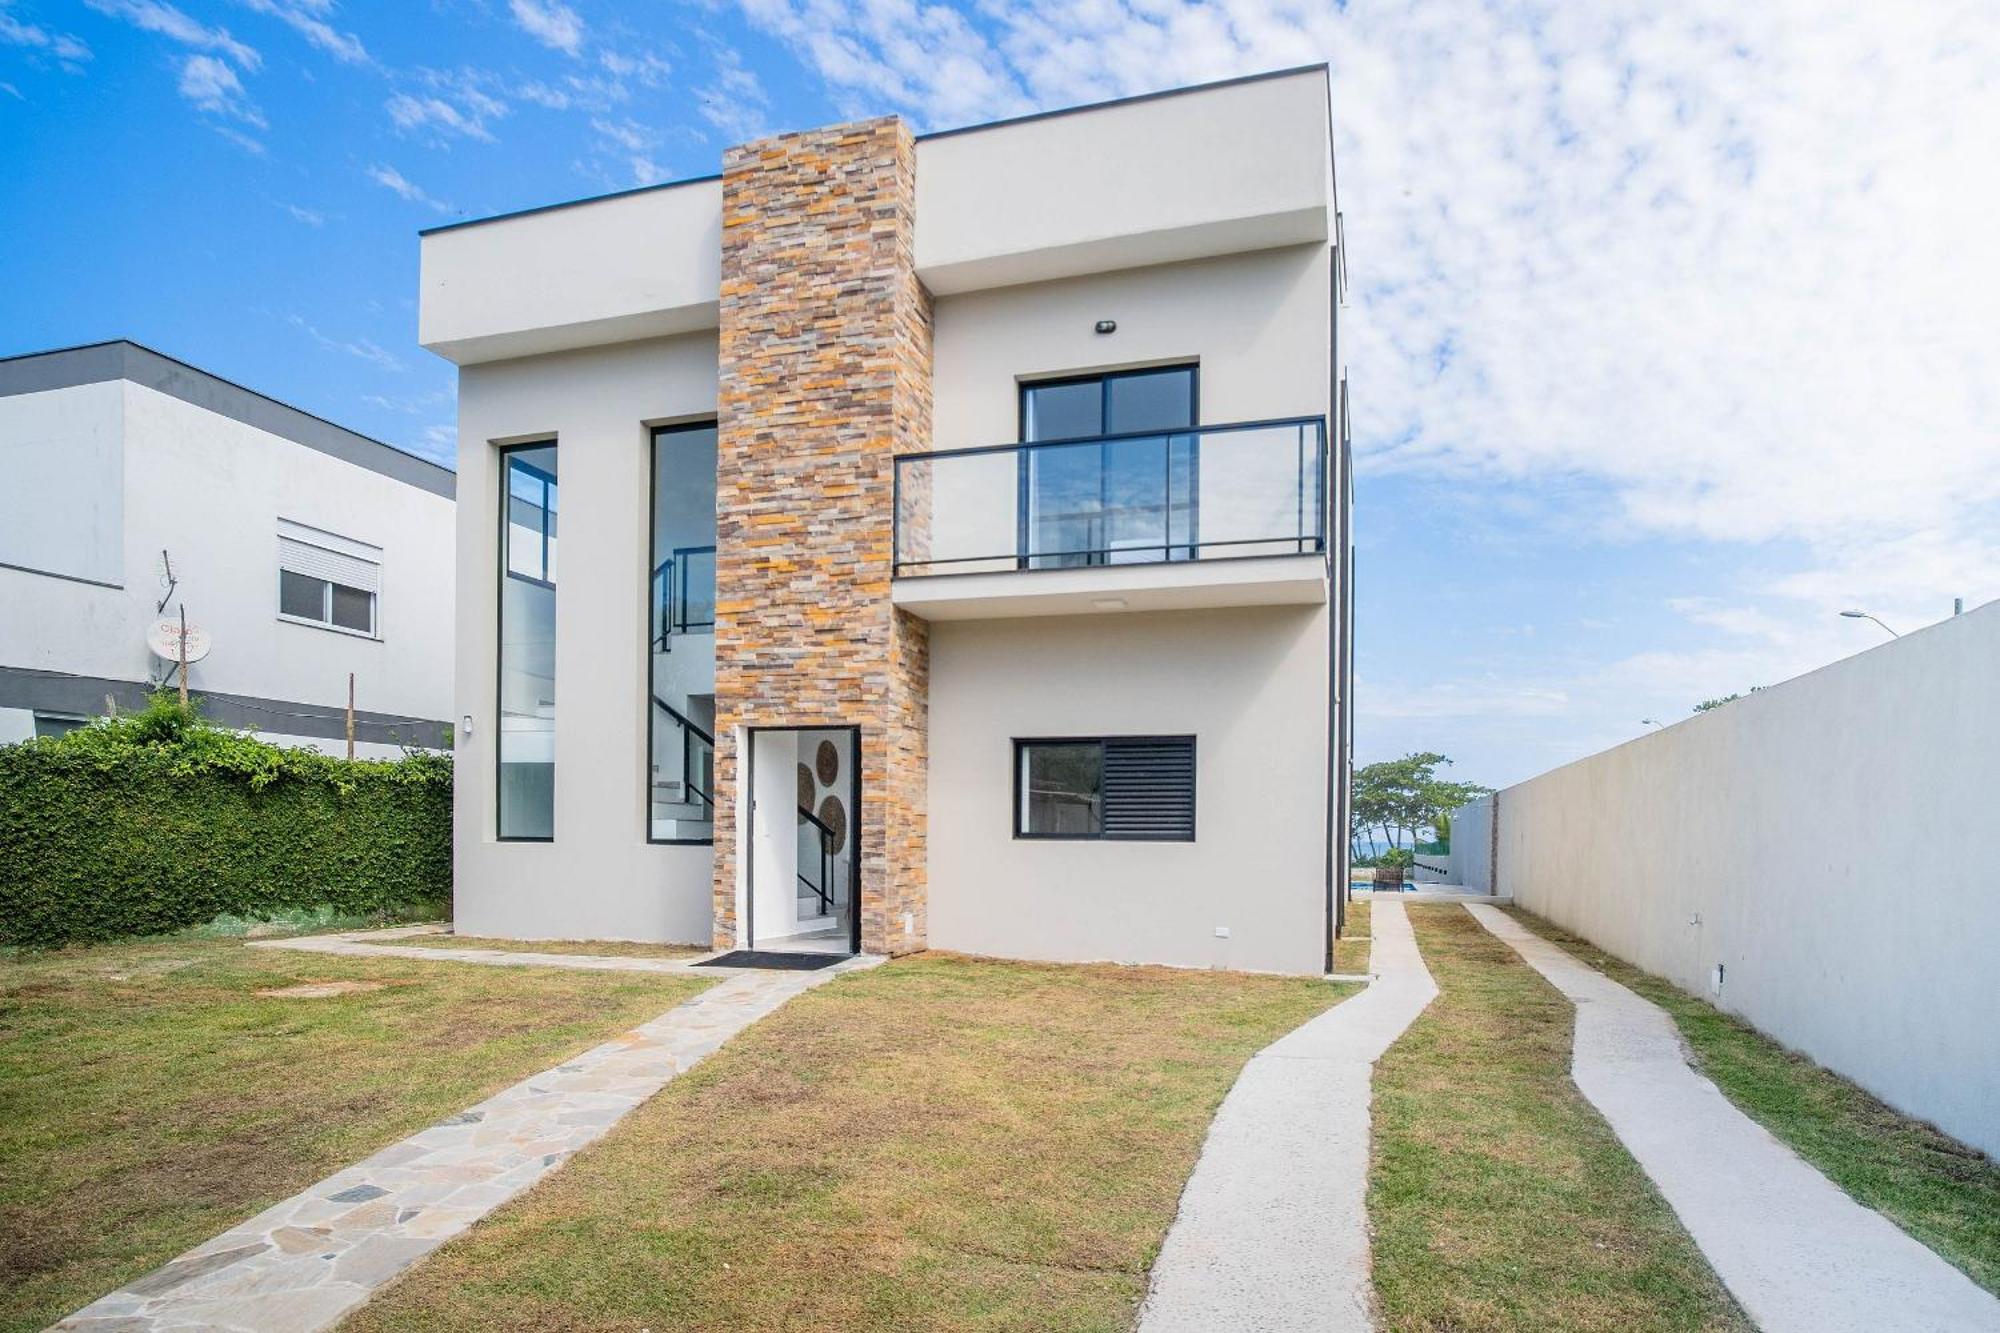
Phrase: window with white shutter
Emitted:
{"points": [[326, 579]]}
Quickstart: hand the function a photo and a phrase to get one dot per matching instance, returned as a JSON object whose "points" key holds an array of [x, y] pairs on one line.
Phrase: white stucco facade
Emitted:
{"points": [[589, 326], [1827, 844], [117, 455]]}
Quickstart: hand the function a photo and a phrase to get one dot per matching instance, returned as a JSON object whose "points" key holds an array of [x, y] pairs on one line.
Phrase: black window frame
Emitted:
{"points": [[1024, 532], [653, 434], [1021, 745], [505, 454]]}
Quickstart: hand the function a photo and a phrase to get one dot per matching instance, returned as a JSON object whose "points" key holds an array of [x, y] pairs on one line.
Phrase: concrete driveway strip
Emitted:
{"points": [[1272, 1233], [303, 1263], [1791, 1247]]}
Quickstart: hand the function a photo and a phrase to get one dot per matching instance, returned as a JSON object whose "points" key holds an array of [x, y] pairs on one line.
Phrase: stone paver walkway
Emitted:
{"points": [[1790, 1246], [1272, 1233], [304, 1263], [372, 944]]}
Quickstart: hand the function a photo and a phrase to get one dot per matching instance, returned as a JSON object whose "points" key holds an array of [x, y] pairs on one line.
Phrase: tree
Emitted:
{"points": [[1404, 797], [1706, 704]]}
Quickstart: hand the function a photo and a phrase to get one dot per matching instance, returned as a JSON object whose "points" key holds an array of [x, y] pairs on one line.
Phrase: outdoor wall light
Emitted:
{"points": [[465, 724], [1107, 326]]}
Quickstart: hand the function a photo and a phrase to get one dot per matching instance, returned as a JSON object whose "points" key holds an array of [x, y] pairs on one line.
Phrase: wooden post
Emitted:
{"points": [[350, 715], [184, 657]]}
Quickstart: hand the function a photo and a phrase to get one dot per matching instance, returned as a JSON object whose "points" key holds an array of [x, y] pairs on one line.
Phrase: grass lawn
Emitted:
{"points": [[149, 1097], [1500, 1199], [1352, 950], [938, 1143], [1940, 1191], [601, 948]]}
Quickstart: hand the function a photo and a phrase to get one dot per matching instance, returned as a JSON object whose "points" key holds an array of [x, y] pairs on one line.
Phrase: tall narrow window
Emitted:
{"points": [[1129, 497], [528, 642], [680, 653]]}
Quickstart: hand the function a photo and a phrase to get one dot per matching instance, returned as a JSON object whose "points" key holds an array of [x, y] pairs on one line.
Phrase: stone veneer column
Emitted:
{"points": [[825, 376]]}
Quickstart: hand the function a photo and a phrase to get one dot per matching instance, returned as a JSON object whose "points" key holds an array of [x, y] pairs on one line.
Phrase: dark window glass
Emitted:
{"points": [[681, 632], [527, 741], [1064, 411], [1130, 788], [1061, 789], [1117, 501], [301, 595], [1150, 400], [353, 609]]}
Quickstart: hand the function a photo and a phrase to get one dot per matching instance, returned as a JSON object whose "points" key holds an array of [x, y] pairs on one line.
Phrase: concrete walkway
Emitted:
{"points": [[1272, 1233], [304, 1263], [1796, 1252]]}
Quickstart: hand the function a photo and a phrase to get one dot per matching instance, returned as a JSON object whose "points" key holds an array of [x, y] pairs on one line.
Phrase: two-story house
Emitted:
{"points": [[139, 488], [906, 541]]}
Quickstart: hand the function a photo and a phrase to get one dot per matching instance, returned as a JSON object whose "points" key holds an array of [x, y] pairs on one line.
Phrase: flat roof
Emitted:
{"points": [[1320, 67], [123, 359]]}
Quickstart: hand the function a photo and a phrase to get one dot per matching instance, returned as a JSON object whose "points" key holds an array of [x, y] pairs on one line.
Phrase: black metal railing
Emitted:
{"points": [[697, 746], [683, 595], [823, 836], [1211, 492]]}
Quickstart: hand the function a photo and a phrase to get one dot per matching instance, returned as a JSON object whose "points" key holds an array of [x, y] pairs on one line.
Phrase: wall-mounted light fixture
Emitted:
{"points": [[1107, 326], [465, 724]]}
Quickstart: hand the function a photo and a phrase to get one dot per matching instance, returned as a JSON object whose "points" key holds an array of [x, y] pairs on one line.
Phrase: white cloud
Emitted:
{"points": [[551, 23], [305, 18], [159, 17], [734, 101], [67, 49], [311, 217], [419, 113], [212, 85], [360, 348], [392, 179]]}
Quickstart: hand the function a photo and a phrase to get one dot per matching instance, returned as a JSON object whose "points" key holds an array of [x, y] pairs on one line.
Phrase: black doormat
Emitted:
{"points": [[776, 962]]}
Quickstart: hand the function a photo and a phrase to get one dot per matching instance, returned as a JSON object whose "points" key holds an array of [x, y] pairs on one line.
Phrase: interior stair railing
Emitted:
{"points": [[816, 835]]}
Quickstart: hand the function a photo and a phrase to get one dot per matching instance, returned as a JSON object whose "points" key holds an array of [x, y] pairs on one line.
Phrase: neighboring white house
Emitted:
{"points": [[953, 538], [137, 486]]}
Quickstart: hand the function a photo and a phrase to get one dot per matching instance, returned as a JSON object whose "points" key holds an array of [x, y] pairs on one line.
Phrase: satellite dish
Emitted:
{"points": [[164, 638]]}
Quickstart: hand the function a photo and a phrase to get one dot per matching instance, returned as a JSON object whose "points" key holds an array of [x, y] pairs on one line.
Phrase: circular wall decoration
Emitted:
{"points": [[808, 789], [834, 815], [828, 762]]}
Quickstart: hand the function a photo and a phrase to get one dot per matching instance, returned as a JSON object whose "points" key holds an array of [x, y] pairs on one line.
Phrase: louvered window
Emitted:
{"points": [[1128, 788]]}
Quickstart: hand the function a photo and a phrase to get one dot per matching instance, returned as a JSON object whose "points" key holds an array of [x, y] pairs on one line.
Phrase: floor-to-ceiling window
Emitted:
{"points": [[528, 642], [680, 653], [1107, 501]]}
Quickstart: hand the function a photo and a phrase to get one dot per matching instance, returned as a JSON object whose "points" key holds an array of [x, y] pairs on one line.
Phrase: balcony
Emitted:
{"points": [[1231, 515]]}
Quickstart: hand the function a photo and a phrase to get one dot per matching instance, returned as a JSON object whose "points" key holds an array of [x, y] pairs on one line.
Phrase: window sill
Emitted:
{"points": [[331, 629]]}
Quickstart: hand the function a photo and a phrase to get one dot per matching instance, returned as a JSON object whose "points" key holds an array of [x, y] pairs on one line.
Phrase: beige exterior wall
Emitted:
{"points": [[1249, 684], [600, 878], [1257, 324]]}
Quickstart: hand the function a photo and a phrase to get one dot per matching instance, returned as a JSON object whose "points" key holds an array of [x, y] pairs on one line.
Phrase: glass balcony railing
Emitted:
{"points": [[1213, 492]]}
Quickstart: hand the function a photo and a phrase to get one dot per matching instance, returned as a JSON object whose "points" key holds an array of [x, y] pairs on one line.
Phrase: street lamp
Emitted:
{"points": [[1863, 615], [1649, 722]]}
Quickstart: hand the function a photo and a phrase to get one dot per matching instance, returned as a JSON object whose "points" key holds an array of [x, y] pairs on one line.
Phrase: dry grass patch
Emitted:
{"points": [[596, 948], [150, 1096], [938, 1143], [1351, 951], [1942, 1192], [1500, 1199]]}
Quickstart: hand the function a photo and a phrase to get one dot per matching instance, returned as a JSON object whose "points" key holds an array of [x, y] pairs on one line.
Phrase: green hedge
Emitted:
{"points": [[156, 821]]}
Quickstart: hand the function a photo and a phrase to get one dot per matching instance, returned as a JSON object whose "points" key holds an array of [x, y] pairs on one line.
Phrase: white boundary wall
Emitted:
{"points": [[1870, 939], [1472, 846]]}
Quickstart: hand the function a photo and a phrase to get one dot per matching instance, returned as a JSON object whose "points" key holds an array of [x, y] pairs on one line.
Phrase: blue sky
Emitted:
{"points": [[1671, 333]]}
